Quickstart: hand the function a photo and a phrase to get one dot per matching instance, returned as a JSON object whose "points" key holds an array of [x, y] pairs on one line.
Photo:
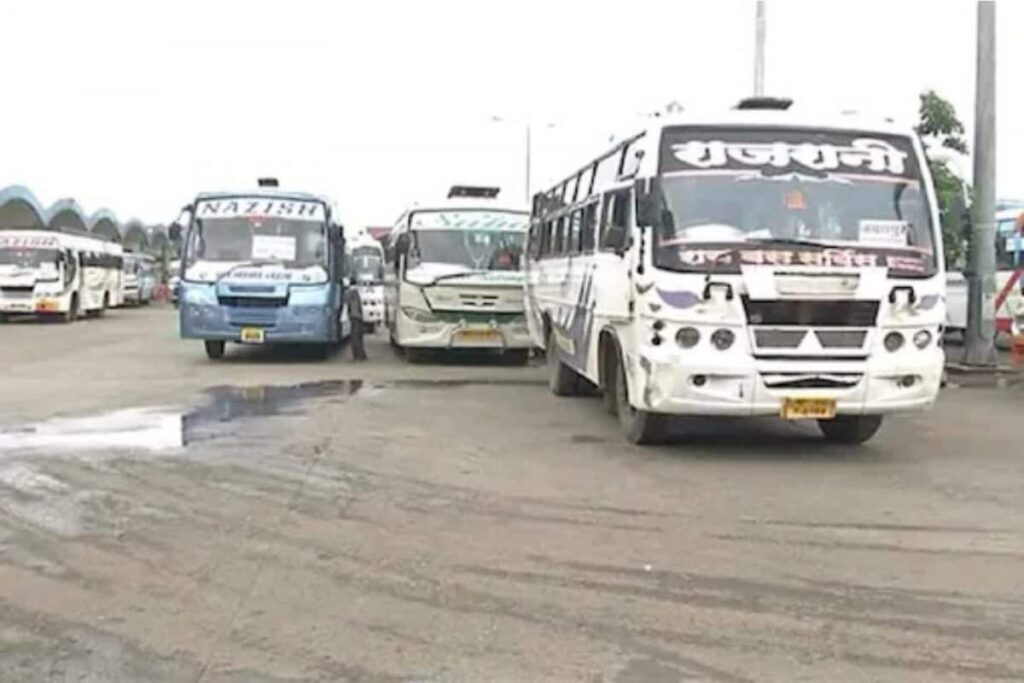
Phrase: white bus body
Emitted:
{"points": [[751, 262], [52, 273], [139, 278], [454, 279], [366, 272]]}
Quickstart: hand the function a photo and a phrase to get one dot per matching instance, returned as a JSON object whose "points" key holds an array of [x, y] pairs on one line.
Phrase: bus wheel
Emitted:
{"points": [[72, 313], [850, 429], [562, 380], [639, 426], [214, 349]]}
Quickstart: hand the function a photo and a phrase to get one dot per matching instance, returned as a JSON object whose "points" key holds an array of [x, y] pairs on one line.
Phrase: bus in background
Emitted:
{"points": [[1009, 302], [453, 278], [748, 262], [366, 272], [56, 274], [139, 278], [173, 279], [262, 267]]}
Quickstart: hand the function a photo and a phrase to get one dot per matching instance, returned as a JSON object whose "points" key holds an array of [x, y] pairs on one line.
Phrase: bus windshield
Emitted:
{"points": [[475, 249], [28, 258], [802, 189], [368, 264], [243, 230]]}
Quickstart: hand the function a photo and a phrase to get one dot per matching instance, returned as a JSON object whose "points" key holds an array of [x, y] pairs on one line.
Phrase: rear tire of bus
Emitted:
{"points": [[640, 427], [562, 380], [214, 349], [850, 429]]}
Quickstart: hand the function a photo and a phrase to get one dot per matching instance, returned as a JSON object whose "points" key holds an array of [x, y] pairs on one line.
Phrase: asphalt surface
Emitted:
{"points": [[277, 518]]}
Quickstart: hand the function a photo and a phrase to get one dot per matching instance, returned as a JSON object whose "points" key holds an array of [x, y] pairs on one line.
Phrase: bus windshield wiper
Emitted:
{"points": [[449, 276]]}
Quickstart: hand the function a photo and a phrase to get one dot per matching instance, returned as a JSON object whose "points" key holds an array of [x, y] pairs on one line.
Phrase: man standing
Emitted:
{"points": [[355, 316]]}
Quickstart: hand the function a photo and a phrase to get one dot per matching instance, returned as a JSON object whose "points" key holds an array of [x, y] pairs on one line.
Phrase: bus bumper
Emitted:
{"points": [[504, 336], [876, 386], [285, 324]]}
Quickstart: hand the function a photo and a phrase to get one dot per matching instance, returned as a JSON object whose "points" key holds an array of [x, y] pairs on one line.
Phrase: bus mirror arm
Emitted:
{"points": [[649, 202], [911, 294]]}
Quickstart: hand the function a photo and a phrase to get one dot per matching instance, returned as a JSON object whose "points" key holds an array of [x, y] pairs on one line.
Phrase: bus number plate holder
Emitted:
{"points": [[252, 335], [808, 409]]}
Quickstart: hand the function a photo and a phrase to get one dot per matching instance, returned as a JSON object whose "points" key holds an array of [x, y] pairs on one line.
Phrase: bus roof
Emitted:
{"points": [[267, 192]]}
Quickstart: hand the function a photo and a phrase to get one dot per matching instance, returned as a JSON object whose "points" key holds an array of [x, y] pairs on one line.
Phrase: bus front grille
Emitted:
{"points": [[253, 302], [811, 313]]}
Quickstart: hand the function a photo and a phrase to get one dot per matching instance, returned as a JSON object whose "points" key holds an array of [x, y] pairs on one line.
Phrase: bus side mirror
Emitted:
{"points": [[649, 202], [174, 232], [402, 244]]}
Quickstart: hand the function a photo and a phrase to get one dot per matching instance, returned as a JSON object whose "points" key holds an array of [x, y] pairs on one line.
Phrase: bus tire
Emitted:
{"points": [[562, 380], [850, 429], [610, 377], [640, 427], [72, 312], [214, 349]]}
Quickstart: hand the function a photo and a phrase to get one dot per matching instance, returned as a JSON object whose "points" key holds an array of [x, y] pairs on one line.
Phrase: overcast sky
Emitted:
{"points": [[139, 105]]}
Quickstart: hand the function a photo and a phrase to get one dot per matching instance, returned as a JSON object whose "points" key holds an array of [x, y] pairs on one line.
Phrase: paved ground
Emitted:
{"points": [[332, 521]]}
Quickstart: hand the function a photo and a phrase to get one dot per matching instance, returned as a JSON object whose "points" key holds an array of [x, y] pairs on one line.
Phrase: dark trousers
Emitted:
{"points": [[356, 341]]}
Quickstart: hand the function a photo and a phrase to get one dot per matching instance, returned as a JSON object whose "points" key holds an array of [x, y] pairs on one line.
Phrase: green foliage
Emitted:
{"points": [[940, 126]]}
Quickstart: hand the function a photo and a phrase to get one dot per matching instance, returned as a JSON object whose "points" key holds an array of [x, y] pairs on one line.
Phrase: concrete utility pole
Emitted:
{"points": [[759, 52], [981, 313]]}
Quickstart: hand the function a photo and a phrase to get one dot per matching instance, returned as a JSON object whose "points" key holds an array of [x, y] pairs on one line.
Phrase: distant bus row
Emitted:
{"points": [[55, 275]]}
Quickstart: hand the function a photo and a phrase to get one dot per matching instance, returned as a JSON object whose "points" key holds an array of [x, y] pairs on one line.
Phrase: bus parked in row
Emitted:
{"points": [[454, 277], [366, 272], [749, 262], [262, 266], [58, 275], [139, 278]]}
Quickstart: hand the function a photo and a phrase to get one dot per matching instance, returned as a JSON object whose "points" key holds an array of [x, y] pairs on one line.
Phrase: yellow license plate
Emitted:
{"points": [[478, 336], [808, 408], [252, 335]]}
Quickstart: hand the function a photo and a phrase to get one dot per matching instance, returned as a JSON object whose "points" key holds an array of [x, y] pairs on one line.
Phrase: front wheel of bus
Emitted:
{"points": [[214, 349], [639, 426], [72, 313], [850, 429]]}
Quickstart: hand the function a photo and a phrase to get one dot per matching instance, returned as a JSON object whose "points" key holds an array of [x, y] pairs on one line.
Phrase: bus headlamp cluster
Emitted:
{"points": [[722, 338]]}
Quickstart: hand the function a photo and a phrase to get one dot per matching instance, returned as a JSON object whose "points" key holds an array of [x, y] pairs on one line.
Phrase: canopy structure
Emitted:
{"points": [[20, 210], [135, 237], [65, 215], [103, 223]]}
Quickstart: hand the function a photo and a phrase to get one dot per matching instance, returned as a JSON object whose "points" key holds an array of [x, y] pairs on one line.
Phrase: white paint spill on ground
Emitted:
{"points": [[133, 428]]}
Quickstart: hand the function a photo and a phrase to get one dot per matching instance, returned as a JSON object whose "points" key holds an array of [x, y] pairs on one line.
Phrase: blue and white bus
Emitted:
{"points": [[262, 267]]}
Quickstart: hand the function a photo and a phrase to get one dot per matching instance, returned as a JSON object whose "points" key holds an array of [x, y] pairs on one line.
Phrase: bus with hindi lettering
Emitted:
{"points": [[454, 279], [262, 267], [753, 261]]}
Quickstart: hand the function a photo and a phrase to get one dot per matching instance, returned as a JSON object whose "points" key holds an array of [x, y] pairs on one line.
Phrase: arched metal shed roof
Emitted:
{"points": [[19, 209]]}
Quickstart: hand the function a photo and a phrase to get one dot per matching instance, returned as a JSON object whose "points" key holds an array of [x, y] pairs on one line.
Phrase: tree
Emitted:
{"points": [[939, 126]]}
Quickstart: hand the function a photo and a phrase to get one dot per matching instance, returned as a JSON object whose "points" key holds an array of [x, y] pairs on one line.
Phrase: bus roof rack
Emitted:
{"points": [[776, 103], [475, 191], [268, 182]]}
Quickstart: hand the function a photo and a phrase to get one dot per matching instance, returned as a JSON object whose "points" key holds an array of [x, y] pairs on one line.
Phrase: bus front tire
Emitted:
{"points": [[72, 313], [214, 349], [562, 380], [638, 426], [850, 429]]}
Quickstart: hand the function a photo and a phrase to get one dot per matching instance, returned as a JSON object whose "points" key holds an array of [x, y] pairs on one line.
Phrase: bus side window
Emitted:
{"points": [[615, 221], [576, 245], [589, 223], [559, 243]]}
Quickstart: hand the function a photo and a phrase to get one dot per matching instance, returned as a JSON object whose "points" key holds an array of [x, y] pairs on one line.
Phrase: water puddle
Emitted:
{"points": [[162, 428]]}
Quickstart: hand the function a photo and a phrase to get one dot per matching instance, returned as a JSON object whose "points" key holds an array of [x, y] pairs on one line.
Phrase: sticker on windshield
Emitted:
{"points": [[273, 248], [881, 233]]}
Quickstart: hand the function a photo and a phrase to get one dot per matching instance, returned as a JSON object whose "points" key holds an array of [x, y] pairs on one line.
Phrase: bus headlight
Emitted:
{"points": [[419, 315], [893, 341], [922, 338], [687, 337], [722, 339]]}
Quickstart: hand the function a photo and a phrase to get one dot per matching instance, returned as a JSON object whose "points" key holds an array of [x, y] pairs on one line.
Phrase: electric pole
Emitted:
{"points": [[759, 51], [981, 272]]}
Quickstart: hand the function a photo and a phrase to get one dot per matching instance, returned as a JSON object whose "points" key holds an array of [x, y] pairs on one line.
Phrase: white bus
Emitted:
{"points": [[366, 271], [55, 274], [749, 262], [454, 277], [139, 278]]}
